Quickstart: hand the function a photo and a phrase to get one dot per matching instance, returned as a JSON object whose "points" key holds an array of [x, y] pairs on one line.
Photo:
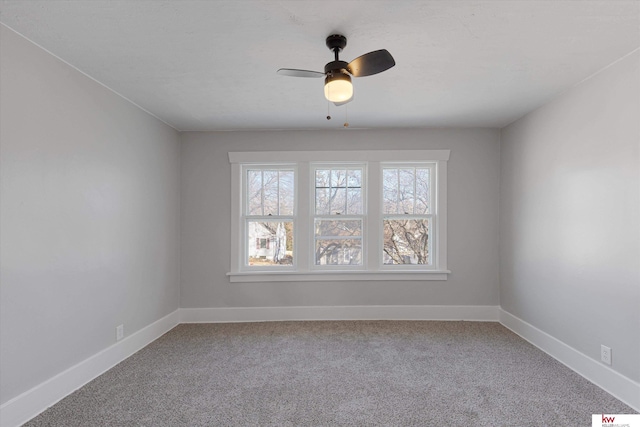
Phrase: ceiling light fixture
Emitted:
{"points": [[338, 87], [337, 83]]}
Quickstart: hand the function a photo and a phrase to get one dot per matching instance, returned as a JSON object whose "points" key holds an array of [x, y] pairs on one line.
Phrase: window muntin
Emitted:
{"points": [[338, 215], [269, 208], [407, 215]]}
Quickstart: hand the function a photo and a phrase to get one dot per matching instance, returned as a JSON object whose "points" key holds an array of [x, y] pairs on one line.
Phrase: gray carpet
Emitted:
{"points": [[351, 373]]}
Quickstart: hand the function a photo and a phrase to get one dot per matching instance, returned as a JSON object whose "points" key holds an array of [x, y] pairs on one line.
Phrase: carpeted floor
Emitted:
{"points": [[347, 373]]}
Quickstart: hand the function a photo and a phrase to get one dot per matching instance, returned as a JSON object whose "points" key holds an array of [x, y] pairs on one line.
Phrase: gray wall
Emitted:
{"points": [[97, 195], [569, 217], [89, 219], [472, 228]]}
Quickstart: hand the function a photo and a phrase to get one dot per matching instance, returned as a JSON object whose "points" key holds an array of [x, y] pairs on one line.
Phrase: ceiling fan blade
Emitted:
{"points": [[371, 63], [292, 72]]}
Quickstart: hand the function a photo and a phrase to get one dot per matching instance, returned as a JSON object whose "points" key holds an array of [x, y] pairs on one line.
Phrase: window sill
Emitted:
{"points": [[334, 276]]}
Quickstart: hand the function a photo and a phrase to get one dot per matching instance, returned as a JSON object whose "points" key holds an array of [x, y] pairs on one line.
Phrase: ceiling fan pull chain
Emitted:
{"points": [[346, 116], [328, 116]]}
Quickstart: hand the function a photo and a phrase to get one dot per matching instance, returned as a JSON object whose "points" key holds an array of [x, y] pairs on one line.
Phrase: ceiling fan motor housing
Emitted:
{"points": [[335, 67]]}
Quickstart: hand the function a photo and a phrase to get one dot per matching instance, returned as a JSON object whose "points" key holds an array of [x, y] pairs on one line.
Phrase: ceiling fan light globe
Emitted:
{"points": [[338, 88]]}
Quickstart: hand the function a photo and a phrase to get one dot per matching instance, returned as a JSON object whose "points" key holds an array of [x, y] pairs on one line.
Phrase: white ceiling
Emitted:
{"points": [[211, 65]]}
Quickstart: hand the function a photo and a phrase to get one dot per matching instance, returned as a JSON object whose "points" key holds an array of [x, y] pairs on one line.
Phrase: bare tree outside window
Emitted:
{"points": [[270, 192], [338, 242]]}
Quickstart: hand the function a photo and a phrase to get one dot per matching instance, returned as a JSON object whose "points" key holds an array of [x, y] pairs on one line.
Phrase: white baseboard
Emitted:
{"points": [[24, 407], [614, 383], [29, 404], [359, 312]]}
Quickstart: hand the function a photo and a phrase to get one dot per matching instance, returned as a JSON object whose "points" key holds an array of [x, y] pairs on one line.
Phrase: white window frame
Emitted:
{"points": [[432, 216], [337, 165], [246, 218], [303, 227]]}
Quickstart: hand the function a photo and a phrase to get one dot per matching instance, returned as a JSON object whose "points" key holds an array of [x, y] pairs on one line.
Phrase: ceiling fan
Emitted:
{"points": [[337, 83]]}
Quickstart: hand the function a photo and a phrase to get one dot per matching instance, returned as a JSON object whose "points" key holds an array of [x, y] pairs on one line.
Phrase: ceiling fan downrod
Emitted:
{"points": [[336, 42]]}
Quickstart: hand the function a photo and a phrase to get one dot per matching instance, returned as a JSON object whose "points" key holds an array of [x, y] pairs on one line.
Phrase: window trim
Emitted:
{"points": [[304, 161]]}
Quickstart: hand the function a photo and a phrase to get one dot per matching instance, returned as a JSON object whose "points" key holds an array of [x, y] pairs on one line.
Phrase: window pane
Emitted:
{"points": [[354, 178], [390, 191], [270, 192], [254, 192], [406, 241], [338, 201], [338, 252], [354, 201], [422, 191], [338, 178], [406, 181], [322, 191], [269, 243], [286, 193], [346, 228], [322, 178], [322, 201]]}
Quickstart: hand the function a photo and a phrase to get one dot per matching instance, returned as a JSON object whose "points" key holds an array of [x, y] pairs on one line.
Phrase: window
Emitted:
{"points": [[407, 219], [269, 195], [349, 215], [338, 215]]}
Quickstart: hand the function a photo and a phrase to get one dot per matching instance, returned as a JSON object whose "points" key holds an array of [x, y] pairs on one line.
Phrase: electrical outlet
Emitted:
{"points": [[119, 332], [605, 354]]}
